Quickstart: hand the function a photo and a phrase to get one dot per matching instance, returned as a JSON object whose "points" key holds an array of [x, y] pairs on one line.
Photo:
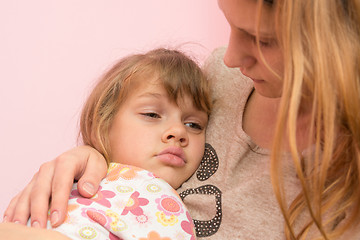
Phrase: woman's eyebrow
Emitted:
{"points": [[253, 33]]}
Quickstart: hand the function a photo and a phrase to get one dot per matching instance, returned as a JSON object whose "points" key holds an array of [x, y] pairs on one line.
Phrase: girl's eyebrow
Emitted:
{"points": [[151, 95]]}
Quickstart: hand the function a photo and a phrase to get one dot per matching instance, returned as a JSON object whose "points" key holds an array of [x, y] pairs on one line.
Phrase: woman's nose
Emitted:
{"points": [[176, 133], [239, 53]]}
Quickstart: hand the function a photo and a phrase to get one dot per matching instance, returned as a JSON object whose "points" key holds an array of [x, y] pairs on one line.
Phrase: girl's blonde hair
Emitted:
{"points": [[320, 40], [179, 75]]}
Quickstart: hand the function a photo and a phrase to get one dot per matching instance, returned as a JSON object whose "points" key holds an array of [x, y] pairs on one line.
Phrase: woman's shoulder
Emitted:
{"points": [[214, 64], [217, 71]]}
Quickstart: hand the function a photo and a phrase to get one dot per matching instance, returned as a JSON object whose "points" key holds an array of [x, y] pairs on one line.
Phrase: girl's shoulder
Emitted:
{"points": [[135, 178]]}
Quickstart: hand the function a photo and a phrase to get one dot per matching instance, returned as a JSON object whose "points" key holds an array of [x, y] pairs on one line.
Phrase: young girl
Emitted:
{"points": [[147, 116]]}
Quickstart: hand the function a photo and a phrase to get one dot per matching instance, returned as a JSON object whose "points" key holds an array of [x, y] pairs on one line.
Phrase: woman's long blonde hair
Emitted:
{"points": [[321, 44], [179, 74]]}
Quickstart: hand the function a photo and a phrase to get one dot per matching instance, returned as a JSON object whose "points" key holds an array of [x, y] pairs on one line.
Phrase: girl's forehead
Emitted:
{"points": [[155, 89], [155, 86], [149, 84]]}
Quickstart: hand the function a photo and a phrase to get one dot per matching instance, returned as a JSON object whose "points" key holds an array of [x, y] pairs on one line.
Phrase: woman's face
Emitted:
{"points": [[243, 52]]}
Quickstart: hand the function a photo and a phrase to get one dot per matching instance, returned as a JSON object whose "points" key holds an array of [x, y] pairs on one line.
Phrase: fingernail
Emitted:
{"points": [[5, 219], [89, 188], [54, 217], [17, 222], [35, 224]]}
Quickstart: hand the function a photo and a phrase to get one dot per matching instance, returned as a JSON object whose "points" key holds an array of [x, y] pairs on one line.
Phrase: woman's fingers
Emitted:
{"points": [[54, 181], [83, 163], [94, 172], [40, 195], [10, 210], [66, 170], [19, 208]]}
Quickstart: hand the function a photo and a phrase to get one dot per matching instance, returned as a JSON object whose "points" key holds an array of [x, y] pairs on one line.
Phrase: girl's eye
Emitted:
{"points": [[151, 115], [194, 125]]}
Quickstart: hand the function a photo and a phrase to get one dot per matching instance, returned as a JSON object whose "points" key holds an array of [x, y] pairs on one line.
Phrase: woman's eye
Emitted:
{"points": [[194, 126], [261, 43], [264, 44], [268, 43], [151, 115]]}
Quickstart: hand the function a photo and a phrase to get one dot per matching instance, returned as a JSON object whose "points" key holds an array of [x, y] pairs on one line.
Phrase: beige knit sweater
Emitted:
{"points": [[231, 196]]}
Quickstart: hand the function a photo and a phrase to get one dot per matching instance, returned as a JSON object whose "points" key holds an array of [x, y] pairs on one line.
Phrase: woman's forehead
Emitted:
{"points": [[242, 14]]}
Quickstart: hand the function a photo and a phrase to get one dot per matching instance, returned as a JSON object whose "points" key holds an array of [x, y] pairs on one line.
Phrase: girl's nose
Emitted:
{"points": [[176, 133]]}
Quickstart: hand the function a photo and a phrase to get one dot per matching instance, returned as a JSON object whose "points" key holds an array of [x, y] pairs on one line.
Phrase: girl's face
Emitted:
{"points": [[154, 133], [242, 51]]}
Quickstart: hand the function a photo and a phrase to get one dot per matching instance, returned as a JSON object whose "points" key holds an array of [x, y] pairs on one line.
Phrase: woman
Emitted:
{"points": [[283, 143]]}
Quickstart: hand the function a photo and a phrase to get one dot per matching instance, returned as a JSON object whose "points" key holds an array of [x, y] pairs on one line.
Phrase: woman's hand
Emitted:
{"points": [[54, 181], [12, 231]]}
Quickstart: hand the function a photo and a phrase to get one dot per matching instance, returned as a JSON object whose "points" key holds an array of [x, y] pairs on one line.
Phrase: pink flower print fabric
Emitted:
{"points": [[97, 216], [170, 205], [188, 226], [134, 205], [100, 197], [131, 204]]}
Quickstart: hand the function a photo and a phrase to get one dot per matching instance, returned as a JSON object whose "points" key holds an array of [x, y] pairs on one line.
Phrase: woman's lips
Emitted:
{"points": [[173, 156], [257, 80], [254, 79]]}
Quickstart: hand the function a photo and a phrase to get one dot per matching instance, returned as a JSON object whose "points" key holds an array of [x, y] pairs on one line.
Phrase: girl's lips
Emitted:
{"points": [[173, 156]]}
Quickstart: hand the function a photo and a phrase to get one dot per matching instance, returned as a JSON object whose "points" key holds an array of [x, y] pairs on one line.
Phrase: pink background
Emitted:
{"points": [[52, 51]]}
